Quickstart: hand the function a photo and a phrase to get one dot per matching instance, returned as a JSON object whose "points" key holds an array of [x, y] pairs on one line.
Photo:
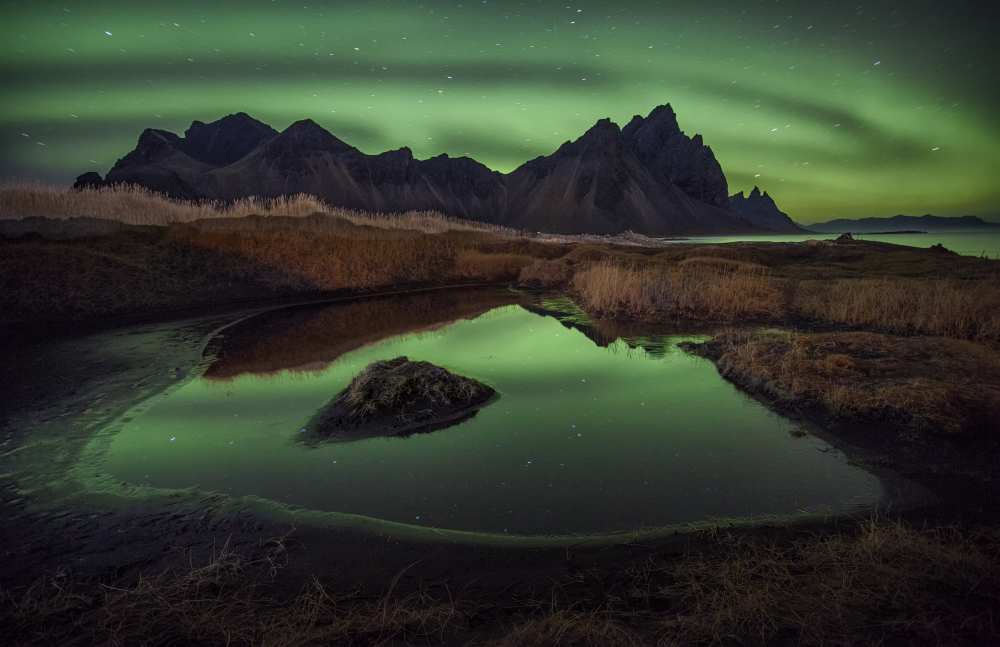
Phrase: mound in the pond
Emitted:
{"points": [[397, 397]]}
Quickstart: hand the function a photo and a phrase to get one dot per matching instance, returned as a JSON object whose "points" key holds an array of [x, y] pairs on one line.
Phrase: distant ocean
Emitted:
{"points": [[968, 243]]}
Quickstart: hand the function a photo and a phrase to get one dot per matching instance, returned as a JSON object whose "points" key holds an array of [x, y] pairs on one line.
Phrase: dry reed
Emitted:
{"points": [[964, 309], [136, 205], [711, 289]]}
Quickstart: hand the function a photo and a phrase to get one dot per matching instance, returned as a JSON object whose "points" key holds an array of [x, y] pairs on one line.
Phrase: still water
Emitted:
{"points": [[967, 243], [584, 437]]}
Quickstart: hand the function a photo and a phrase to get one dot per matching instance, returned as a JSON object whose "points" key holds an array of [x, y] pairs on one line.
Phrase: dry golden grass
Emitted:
{"points": [[545, 273], [720, 289], [136, 205], [299, 245], [968, 309], [325, 261], [491, 267], [712, 289], [228, 259], [889, 582], [933, 385]]}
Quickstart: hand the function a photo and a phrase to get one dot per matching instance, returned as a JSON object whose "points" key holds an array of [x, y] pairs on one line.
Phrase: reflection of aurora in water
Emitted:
{"points": [[583, 438]]}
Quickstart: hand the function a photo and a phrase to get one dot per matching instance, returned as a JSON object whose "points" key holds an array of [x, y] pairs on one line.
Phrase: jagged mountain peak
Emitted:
{"points": [[603, 133], [760, 209], [305, 135], [153, 144], [155, 137], [659, 125], [232, 120], [686, 162], [756, 195], [227, 139], [306, 127]]}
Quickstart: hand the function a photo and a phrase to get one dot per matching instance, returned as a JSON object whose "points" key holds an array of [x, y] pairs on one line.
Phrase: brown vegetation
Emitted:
{"points": [[964, 309], [696, 288], [546, 274], [921, 384], [136, 205], [725, 290], [210, 253], [881, 583], [222, 261]]}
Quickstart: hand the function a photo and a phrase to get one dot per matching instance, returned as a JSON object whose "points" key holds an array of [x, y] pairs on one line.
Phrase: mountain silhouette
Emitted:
{"points": [[759, 208], [905, 223], [648, 177]]}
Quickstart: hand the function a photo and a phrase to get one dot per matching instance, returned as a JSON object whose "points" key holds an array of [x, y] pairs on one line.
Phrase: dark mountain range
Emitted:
{"points": [[904, 223], [759, 208], [649, 177], [597, 184]]}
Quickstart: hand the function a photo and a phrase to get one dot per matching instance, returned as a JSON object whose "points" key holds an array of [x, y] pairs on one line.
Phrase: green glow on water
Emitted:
{"points": [[582, 439]]}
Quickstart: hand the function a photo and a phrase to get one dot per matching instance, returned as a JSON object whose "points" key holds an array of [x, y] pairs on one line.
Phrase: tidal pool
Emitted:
{"points": [[584, 438]]}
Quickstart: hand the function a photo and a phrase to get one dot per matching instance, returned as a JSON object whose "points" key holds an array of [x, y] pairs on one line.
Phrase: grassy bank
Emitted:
{"points": [[731, 290], [881, 582], [146, 269], [717, 289], [141, 252], [921, 385], [138, 206]]}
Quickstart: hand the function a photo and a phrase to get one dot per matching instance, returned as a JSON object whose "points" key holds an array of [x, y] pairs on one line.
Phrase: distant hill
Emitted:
{"points": [[904, 223], [648, 177], [759, 208]]}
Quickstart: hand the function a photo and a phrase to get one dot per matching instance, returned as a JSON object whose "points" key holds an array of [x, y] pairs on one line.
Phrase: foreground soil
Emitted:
{"points": [[877, 583]]}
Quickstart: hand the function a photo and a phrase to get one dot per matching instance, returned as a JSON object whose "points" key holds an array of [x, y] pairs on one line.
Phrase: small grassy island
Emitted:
{"points": [[398, 397]]}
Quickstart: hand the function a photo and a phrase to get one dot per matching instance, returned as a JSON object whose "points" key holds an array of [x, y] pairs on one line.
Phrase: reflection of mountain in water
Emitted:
{"points": [[308, 338], [606, 332]]}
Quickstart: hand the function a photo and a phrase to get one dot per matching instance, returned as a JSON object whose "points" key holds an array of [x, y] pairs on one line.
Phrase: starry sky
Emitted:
{"points": [[837, 109]]}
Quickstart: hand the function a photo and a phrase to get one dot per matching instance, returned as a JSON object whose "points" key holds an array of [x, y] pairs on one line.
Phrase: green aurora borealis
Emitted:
{"points": [[836, 109]]}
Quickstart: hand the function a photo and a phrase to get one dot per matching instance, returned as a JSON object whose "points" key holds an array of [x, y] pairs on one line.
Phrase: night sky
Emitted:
{"points": [[837, 109]]}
